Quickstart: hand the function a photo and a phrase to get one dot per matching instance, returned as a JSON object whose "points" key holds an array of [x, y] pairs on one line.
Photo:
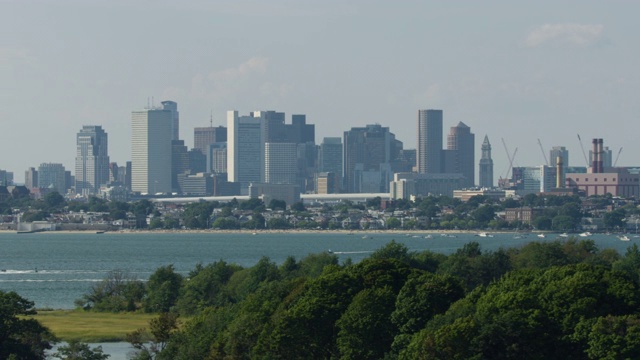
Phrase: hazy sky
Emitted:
{"points": [[513, 70]]}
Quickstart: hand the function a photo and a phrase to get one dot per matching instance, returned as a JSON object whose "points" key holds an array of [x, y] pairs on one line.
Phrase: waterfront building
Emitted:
{"points": [[405, 185], [92, 160], [429, 151], [486, 165], [151, 150]]}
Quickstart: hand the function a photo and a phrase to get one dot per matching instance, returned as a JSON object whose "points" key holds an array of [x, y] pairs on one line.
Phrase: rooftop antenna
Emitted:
{"points": [[211, 119]]}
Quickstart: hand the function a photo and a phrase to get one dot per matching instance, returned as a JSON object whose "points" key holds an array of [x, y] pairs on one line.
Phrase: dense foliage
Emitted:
{"points": [[21, 337], [557, 300]]}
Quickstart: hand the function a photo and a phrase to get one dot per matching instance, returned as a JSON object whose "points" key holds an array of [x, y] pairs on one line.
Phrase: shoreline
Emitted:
{"points": [[272, 231]]}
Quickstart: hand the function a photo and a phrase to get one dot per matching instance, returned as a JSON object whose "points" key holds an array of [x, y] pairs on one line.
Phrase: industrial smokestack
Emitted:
{"points": [[559, 173], [600, 157], [594, 157]]}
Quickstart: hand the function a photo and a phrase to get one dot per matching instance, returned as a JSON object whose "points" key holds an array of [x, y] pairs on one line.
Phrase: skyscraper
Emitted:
{"points": [[367, 156], [52, 176], [151, 150], [462, 140], [175, 118], [330, 158], [244, 149], [179, 163], [31, 178], [429, 152], [486, 165], [205, 136], [92, 160]]}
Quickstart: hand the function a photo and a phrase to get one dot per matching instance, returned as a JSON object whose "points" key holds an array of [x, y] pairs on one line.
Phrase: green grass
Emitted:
{"points": [[88, 326]]}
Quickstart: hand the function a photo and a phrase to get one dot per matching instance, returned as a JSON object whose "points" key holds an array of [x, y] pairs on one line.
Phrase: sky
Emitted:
{"points": [[516, 71]]}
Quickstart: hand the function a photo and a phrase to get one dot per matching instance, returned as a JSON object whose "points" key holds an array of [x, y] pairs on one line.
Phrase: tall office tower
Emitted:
{"points": [[127, 175], [462, 140], [52, 176], [151, 151], [562, 152], [179, 163], [205, 136], [245, 152], [6, 178], [217, 158], [486, 165], [429, 150], [280, 163], [197, 161], [330, 158], [113, 172], [31, 178], [175, 118], [92, 160], [367, 156]]}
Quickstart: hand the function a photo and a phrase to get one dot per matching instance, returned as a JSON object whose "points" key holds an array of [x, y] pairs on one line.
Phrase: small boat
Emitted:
{"points": [[484, 234], [428, 237], [564, 235], [624, 238], [542, 236], [585, 234], [329, 251]]}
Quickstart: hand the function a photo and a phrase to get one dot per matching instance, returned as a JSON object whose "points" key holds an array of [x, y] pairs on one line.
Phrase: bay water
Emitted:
{"points": [[54, 269]]}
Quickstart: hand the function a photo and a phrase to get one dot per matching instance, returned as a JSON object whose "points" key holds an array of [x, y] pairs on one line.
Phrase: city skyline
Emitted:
{"points": [[518, 72]]}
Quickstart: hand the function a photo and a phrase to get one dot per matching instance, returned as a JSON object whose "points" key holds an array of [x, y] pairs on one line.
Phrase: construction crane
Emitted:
{"points": [[617, 157], [543, 154], [510, 158], [583, 153]]}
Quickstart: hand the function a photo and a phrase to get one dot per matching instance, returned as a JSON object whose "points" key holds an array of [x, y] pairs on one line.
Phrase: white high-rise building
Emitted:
{"points": [[92, 160], [245, 157], [151, 134]]}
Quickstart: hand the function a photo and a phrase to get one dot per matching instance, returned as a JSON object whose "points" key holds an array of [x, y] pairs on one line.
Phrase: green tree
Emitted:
{"points": [[298, 206], [21, 337], [54, 200], [118, 291], [76, 350], [615, 337], [365, 328], [393, 223], [277, 205], [150, 343], [163, 289]]}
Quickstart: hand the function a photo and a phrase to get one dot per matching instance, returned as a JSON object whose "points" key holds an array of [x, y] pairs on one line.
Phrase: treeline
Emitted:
{"points": [[558, 300]]}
